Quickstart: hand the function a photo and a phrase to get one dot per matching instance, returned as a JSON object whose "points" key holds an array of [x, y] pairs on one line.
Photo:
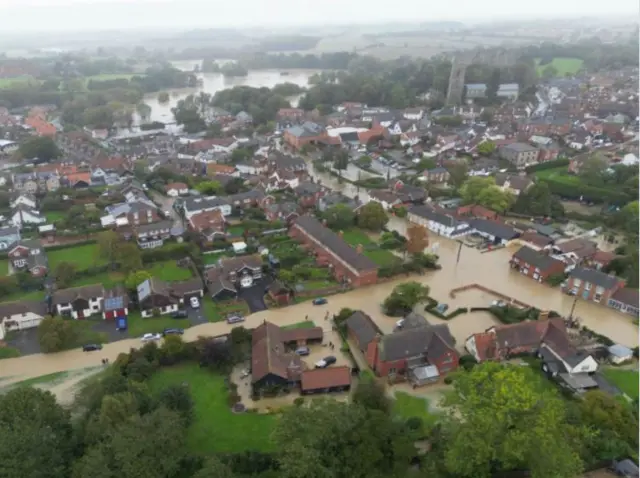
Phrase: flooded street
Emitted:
{"points": [[214, 82]]}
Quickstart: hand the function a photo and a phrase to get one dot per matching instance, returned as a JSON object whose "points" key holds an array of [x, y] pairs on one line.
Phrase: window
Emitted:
{"points": [[392, 370], [577, 282], [597, 297], [599, 290], [587, 286]]}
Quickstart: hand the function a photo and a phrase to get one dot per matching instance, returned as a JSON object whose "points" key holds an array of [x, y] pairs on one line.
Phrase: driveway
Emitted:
{"points": [[26, 341], [196, 317], [166, 204], [254, 296]]}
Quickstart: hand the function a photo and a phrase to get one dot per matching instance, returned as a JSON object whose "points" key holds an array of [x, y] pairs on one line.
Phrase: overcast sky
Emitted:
{"points": [[82, 15]]}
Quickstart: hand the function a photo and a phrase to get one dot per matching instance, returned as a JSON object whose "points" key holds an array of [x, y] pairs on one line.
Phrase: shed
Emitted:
{"points": [[239, 247], [619, 353]]}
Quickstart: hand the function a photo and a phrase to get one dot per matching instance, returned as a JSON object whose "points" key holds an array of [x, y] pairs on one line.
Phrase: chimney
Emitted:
{"points": [[544, 315], [359, 249]]}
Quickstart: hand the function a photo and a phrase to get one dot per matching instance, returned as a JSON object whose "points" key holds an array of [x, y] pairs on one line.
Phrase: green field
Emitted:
{"points": [[307, 324], [43, 379], [82, 257], [9, 352], [563, 65], [626, 380], [111, 76], [169, 271], [215, 427], [16, 81]]}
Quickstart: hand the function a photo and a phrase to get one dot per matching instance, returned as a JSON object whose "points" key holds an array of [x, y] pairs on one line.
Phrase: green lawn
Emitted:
{"points": [[4, 267], [317, 284], [82, 257], [138, 325], [625, 380], [217, 311], [382, 257], [563, 65], [17, 81], [215, 428], [53, 216], [354, 237], [169, 271], [9, 352], [407, 406], [306, 324], [559, 174]]}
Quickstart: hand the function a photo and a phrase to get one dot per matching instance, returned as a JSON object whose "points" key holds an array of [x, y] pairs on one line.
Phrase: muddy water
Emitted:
{"points": [[492, 270]]}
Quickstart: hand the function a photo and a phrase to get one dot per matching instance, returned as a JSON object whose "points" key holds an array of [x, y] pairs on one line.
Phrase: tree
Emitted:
{"points": [[627, 218], [507, 419], [214, 468], [108, 243], [371, 395], [458, 173], [173, 349], [135, 278], [339, 217], [486, 148], [129, 257], [209, 187], [538, 201], [372, 216], [178, 399], [240, 155], [593, 170], [341, 440], [56, 334], [417, 239], [341, 160], [404, 298], [64, 274], [43, 148], [495, 199], [99, 117], [472, 188], [35, 435], [163, 97]]}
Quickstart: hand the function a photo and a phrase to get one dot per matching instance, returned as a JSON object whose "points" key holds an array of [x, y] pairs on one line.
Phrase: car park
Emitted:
{"points": [[195, 303], [173, 332], [151, 337], [91, 347], [325, 362], [179, 314], [235, 318]]}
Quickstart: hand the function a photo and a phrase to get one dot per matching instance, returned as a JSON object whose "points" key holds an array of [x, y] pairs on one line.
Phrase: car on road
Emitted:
{"points": [[303, 351], [151, 337], [325, 362], [320, 301], [179, 314], [91, 347], [195, 303], [173, 332], [498, 303], [235, 318]]}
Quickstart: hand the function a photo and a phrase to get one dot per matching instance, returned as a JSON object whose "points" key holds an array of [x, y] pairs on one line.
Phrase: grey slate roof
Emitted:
{"points": [[535, 258], [8, 309], [495, 229], [432, 215], [594, 277], [364, 329], [520, 147], [200, 203], [335, 244], [431, 341]]}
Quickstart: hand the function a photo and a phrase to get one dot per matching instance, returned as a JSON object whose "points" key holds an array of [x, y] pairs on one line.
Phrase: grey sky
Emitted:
{"points": [[82, 15]]}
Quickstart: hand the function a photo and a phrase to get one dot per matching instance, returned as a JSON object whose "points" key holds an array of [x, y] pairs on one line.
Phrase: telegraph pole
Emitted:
{"points": [[459, 252]]}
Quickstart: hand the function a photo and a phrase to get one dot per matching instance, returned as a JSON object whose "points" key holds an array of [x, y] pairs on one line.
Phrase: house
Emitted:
{"points": [[209, 224], [476, 90], [231, 273], [115, 304], [600, 259], [281, 211], [8, 147], [157, 297], [348, 264], [281, 180], [176, 189], [78, 180], [24, 199], [519, 154], [273, 361], [619, 354], [508, 91], [8, 236], [408, 193], [435, 175], [20, 316], [416, 345], [625, 300], [574, 251], [253, 198], [309, 193], [535, 264], [439, 222], [150, 236], [387, 199], [197, 205], [26, 216], [325, 380], [413, 114], [29, 256], [290, 114], [513, 184], [559, 356], [214, 169], [591, 284], [279, 293], [503, 341], [331, 199], [134, 213], [535, 241], [78, 302], [307, 133], [496, 233], [25, 182]]}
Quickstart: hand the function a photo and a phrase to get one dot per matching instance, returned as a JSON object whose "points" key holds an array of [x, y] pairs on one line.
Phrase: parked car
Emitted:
{"points": [[195, 303], [245, 373], [498, 303], [400, 324], [151, 337], [173, 332], [325, 362], [179, 314], [303, 351], [91, 347], [320, 301], [235, 318]]}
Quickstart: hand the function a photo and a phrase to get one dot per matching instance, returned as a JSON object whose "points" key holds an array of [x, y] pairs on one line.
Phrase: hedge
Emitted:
{"points": [[449, 316], [590, 193], [556, 163], [603, 339]]}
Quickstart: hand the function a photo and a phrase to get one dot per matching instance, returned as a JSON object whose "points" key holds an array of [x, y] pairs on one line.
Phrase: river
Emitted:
{"points": [[214, 82]]}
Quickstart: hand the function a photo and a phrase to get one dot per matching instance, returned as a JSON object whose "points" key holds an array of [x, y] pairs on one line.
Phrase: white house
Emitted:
{"points": [[574, 363], [8, 147], [20, 316], [202, 204], [440, 223], [281, 180], [245, 168], [25, 200], [23, 215], [176, 189], [79, 302], [413, 114]]}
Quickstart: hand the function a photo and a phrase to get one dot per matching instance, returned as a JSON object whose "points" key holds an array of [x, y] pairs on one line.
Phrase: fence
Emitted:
{"points": [[510, 300]]}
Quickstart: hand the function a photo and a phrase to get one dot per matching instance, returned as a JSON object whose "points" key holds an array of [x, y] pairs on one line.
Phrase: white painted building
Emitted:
{"points": [[20, 316], [439, 223]]}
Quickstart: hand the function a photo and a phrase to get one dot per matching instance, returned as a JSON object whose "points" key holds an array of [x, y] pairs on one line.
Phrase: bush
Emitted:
{"points": [[603, 339], [468, 362], [448, 380], [298, 402], [556, 163], [555, 280], [414, 423]]}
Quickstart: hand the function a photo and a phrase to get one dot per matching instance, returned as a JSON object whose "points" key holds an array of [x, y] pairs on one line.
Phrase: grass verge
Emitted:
{"points": [[626, 380]]}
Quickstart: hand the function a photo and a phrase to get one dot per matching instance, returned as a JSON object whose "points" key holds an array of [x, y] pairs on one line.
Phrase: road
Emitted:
{"points": [[166, 204]]}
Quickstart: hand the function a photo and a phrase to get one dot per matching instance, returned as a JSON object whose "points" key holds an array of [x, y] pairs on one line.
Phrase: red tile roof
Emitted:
{"points": [[77, 177], [178, 186], [214, 168], [205, 220], [322, 378]]}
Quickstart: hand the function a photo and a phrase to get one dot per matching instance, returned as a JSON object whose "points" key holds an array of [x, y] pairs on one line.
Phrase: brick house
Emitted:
{"points": [[591, 284], [208, 224], [348, 264], [436, 175], [309, 194], [535, 264], [625, 300], [79, 302], [300, 135], [29, 256], [519, 154], [416, 344]]}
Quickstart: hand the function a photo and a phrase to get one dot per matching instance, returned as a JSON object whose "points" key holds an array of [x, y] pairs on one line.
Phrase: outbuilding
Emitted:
{"points": [[619, 354]]}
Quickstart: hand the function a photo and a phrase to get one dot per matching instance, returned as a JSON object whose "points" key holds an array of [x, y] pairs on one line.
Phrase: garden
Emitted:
{"points": [[370, 248], [626, 380]]}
